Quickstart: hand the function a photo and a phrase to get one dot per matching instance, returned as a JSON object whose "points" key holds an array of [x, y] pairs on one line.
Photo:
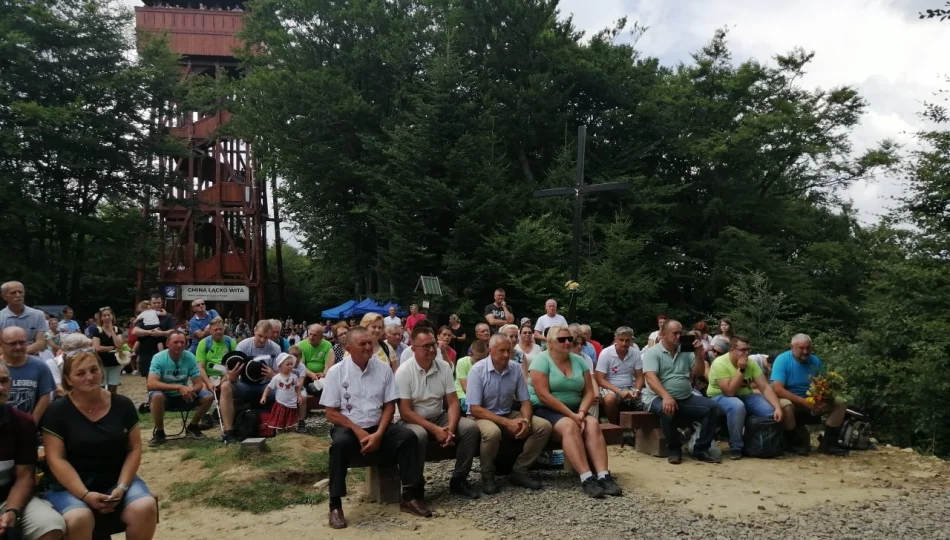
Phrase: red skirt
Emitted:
{"points": [[283, 417]]}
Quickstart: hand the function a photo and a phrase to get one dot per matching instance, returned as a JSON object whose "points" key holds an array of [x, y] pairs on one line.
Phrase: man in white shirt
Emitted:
{"points": [[619, 374], [392, 319], [550, 318], [359, 396], [424, 384]]}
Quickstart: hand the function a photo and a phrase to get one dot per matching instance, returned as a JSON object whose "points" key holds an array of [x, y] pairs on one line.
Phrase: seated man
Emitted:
{"points": [[619, 374], [316, 352], [30, 378], [423, 383], [669, 393], [482, 333], [791, 377], [493, 386], [360, 397], [19, 510], [169, 374], [731, 377], [211, 350], [235, 392]]}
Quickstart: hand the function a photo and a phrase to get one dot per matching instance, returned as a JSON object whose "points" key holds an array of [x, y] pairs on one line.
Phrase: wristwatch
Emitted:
{"points": [[124, 487], [16, 514]]}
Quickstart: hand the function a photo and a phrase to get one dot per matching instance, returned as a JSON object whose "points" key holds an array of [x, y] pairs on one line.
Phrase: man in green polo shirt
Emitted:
{"points": [[211, 350], [669, 393], [315, 350]]}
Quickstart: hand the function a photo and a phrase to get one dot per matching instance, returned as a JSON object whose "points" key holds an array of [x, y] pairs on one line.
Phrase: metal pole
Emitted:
{"points": [[578, 205]]}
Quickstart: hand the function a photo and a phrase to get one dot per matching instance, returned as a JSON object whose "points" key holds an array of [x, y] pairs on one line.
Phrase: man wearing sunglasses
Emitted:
{"points": [[19, 510], [174, 384], [669, 392], [198, 325], [31, 380]]}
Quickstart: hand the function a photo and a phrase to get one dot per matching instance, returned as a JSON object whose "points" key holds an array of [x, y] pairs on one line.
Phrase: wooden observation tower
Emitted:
{"points": [[212, 230]]}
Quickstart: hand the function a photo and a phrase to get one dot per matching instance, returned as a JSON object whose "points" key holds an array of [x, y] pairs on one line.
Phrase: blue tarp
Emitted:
{"points": [[368, 305], [342, 311]]}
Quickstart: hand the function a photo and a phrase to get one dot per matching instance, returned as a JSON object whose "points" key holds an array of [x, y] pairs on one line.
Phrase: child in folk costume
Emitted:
{"points": [[286, 384]]}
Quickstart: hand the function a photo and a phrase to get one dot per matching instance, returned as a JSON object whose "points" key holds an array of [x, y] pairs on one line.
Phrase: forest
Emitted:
{"points": [[409, 137]]}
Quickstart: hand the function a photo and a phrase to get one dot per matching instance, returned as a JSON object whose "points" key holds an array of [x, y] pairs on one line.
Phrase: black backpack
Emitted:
{"points": [[855, 432], [247, 424], [763, 437]]}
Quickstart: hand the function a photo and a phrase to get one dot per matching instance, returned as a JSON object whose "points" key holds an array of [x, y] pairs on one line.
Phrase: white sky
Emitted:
{"points": [[895, 60]]}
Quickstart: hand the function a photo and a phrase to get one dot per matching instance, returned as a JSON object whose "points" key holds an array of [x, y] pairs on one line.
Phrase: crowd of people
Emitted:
{"points": [[389, 387]]}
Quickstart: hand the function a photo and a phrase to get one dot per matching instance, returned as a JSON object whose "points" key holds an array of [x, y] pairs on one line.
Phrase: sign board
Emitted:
{"points": [[425, 304], [171, 292], [216, 293]]}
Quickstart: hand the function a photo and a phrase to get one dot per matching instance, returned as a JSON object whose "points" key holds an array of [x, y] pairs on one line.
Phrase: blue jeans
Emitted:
{"points": [[737, 408], [694, 408]]}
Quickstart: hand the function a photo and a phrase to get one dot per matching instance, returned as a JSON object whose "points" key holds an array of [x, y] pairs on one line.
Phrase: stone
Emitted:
{"points": [[257, 444], [322, 483]]}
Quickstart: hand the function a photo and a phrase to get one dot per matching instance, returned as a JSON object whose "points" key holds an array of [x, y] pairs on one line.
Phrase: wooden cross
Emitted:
{"points": [[578, 191]]}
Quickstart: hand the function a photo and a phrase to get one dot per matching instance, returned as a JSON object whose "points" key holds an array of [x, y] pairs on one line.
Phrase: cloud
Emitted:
{"points": [[880, 47]]}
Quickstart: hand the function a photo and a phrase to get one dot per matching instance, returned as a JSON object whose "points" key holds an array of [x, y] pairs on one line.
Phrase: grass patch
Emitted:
{"points": [[273, 480]]}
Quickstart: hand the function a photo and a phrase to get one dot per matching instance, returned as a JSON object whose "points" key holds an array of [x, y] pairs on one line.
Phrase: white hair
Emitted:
{"points": [[393, 328], [496, 339], [75, 342], [801, 338]]}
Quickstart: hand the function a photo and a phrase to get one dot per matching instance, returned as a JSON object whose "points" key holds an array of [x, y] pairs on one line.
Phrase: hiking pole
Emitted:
{"points": [[217, 407]]}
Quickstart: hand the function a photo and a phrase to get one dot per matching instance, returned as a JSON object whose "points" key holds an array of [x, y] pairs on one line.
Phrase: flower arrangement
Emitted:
{"points": [[572, 286], [825, 390]]}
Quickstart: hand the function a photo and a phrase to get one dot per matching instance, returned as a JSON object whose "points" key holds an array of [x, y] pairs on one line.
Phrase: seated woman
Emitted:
{"points": [[562, 391], [93, 450]]}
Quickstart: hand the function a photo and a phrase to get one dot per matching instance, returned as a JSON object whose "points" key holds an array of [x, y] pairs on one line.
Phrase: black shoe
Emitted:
{"points": [[462, 488], [230, 438], [489, 487], [206, 423], [735, 454], [592, 489], [800, 449], [676, 457], [610, 486], [523, 480], [829, 443], [193, 431], [302, 428], [707, 457], [158, 437]]}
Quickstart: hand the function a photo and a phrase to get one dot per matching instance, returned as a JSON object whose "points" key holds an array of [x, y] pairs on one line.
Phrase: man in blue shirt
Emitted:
{"points": [[791, 377], [493, 385], [198, 325], [30, 378], [174, 383], [67, 325]]}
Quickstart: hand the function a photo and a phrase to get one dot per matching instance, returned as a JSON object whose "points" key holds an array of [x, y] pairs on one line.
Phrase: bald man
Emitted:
{"points": [[30, 379]]}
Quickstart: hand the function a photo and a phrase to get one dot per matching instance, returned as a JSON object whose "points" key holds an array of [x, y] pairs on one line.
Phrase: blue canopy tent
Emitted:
{"points": [[368, 305], [342, 311]]}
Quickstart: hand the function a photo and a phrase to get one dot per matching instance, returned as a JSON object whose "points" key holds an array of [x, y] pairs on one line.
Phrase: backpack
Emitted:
{"points": [[855, 432], [763, 437], [247, 424], [229, 345]]}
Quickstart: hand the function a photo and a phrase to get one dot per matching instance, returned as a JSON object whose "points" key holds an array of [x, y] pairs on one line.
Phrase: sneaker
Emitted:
{"points": [[523, 480], [206, 423], [610, 486], [230, 438], [462, 488], [735, 454], [193, 431], [158, 437], [489, 487], [676, 457], [706, 457], [592, 489]]}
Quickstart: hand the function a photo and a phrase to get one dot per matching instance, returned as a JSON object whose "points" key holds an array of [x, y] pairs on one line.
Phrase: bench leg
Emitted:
{"points": [[383, 484], [652, 442]]}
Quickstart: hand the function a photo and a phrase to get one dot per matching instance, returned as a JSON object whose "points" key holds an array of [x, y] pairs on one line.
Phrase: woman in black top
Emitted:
{"points": [[93, 450], [460, 339], [107, 340]]}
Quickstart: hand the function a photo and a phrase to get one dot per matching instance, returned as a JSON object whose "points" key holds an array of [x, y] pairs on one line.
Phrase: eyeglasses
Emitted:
{"points": [[565, 339], [107, 308], [4, 380], [426, 346], [70, 354], [198, 305]]}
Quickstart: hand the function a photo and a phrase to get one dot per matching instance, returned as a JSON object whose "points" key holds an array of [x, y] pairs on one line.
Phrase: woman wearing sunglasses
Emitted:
{"points": [[562, 391]]}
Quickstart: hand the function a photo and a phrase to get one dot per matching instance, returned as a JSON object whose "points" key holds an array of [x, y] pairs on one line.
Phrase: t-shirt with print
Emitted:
{"points": [[96, 450], [567, 390], [315, 358], [17, 445], [496, 312], [285, 389], [171, 372], [462, 367], [28, 383], [794, 375], [673, 372], [722, 368], [620, 372]]}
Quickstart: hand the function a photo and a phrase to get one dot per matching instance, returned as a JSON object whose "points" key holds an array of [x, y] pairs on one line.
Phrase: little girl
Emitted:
{"points": [[286, 384]]}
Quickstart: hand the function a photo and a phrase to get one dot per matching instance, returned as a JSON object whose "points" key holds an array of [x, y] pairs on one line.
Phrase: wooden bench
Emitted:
{"points": [[384, 486], [646, 428]]}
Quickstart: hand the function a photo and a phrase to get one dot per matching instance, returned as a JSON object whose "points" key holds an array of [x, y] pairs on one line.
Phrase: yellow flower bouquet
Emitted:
{"points": [[825, 390]]}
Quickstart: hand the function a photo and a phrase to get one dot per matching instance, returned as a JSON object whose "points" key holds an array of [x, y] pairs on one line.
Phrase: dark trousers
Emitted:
{"points": [[695, 409], [397, 447]]}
